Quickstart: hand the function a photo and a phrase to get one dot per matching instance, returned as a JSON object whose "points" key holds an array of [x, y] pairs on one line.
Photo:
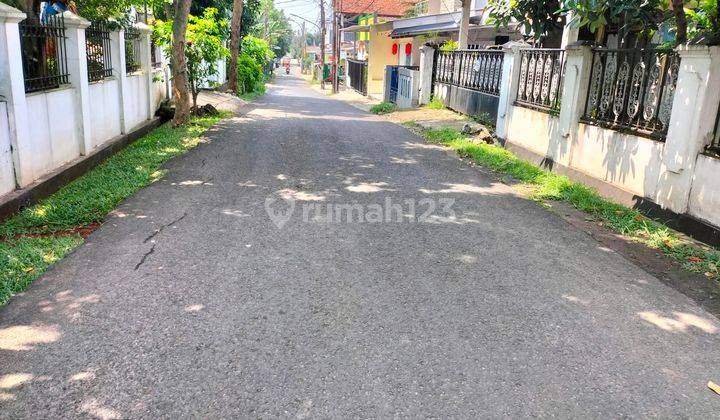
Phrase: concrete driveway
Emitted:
{"points": [[190, 301]]}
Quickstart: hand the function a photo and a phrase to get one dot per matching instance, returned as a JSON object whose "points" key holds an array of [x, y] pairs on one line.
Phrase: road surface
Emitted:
{"points": [[191, 301]]}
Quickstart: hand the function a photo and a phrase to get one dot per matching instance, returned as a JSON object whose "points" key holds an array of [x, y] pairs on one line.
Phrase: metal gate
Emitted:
{"points": [[394, 84], [357, 71]]}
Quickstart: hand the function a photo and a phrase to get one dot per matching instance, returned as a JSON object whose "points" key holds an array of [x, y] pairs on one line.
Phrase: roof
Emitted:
{"points": [[390, 8]]}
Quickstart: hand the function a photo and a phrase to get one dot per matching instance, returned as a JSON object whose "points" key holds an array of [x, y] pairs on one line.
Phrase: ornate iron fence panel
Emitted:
{"points": [[478, 70], [44, 54], [97, 45], [357, 70], [542, 71], [632, 90], [132, 50]]}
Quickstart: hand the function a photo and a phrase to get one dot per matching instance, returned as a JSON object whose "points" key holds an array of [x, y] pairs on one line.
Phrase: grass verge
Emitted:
{"points": [[382, 108], [38, 236], [544, 185]]}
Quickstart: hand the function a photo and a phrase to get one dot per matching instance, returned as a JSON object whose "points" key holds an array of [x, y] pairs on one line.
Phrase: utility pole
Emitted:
{"points": [[336, 48], [323, 32], [303, 48], [464, 25]]}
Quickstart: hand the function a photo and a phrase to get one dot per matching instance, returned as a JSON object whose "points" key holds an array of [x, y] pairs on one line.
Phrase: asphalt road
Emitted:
{"points": [[191, 302]]}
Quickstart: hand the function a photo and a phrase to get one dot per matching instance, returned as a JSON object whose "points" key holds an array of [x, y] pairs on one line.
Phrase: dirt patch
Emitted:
{"points": [[83, 231]]}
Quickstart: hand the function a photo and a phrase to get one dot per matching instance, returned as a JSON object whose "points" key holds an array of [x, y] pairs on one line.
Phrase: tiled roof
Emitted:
{"points": [[390, 8]]}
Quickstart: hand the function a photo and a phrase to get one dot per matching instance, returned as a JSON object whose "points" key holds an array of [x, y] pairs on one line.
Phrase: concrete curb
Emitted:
{"points": [[17, 200]]}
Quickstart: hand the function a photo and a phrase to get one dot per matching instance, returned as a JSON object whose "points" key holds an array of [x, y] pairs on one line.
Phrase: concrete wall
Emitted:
{"points": [[53, 139], [629, 162], [159, 87], [42, 131], [7, 176], [705, 194], [674, 173], [105, 106], [136, 101]]}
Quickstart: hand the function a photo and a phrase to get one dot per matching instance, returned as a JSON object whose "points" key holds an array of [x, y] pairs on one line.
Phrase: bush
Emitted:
{"points": [[382, 108], [436, 103], [249, 74]]}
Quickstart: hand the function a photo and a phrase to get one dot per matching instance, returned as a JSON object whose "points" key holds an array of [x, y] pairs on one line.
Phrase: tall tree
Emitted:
{"points": [[680, 21], [181, 94], [235, 38]]}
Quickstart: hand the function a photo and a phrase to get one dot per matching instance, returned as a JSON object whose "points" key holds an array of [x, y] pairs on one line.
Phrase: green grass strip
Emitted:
{"points": [[84, 201], [545, 185]]}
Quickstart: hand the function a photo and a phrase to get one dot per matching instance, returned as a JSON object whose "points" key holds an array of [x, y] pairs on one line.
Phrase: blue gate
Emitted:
{"points": [[393, 87]]}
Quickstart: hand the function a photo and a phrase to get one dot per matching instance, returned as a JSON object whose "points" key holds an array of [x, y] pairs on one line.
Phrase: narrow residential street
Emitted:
{"points": [[191, 301]]}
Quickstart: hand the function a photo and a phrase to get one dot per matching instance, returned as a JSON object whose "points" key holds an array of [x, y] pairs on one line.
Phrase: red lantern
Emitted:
{"points": [[408, 49], [395, 49]]}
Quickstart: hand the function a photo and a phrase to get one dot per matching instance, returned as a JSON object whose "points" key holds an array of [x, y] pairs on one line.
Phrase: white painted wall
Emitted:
{"points": [[536, 131], [105, 109], [7, 174], [136, 100], [53, 139], [705, 194], [626, 161]]}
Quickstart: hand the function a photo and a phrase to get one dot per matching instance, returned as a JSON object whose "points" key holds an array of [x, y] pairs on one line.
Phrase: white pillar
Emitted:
{"points": [[691, 127], [578, 60], [12, 89], [427, 62], [508, 85], [464, 25], [146, 64], [77, 69], [571, 32], [117, 53]]}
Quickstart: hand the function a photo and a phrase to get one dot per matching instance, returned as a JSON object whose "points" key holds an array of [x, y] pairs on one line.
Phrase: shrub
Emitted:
{"points": [[249, 74], [436, 103], [382, 108]]}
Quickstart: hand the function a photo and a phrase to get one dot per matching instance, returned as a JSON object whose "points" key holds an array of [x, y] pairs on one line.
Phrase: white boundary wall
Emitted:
{"points": [[42, 131], [674, 173]]}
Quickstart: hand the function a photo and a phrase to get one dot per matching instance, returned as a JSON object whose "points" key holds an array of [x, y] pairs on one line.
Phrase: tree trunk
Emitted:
{"points": [[323, 32], [235, 29], [181, 96], [680, 21]]}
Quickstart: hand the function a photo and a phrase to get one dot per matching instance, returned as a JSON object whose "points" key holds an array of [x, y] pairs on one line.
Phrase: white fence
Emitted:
{"points": [[42, 131], [650, 152]]}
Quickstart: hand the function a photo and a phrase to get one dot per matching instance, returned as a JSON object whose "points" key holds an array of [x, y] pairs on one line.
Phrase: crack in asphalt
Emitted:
{"points": [[163, 227], [154, 234]]}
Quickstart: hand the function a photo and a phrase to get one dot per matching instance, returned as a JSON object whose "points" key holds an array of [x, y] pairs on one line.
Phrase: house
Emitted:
{"points": [[387, 37]]}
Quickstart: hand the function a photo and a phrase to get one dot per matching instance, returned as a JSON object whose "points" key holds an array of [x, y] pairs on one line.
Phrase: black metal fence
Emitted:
{"points": [[541, 78], [479, 70], [632, 90], [97, 45], [357, 71], [132, 50], [155, 57], [44, 54]]}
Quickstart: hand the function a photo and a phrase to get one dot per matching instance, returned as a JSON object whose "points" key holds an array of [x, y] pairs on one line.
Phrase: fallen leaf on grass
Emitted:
{"points": [[694, 259], [28, 269]]}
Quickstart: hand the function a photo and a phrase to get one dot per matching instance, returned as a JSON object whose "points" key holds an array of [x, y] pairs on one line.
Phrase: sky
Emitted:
{"points": [[307, 9]]}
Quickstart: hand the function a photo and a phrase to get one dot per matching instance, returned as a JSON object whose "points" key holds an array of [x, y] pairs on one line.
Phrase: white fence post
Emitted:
{"points": [[146, 64], [578, 59], [508, 85], [427, 63], [691, 127], [77, 69], [117, 48], [12, 88]]}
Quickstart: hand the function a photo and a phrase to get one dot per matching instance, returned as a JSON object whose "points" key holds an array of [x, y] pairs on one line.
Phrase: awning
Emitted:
{"points": [[356, 28], [424, 29]]}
